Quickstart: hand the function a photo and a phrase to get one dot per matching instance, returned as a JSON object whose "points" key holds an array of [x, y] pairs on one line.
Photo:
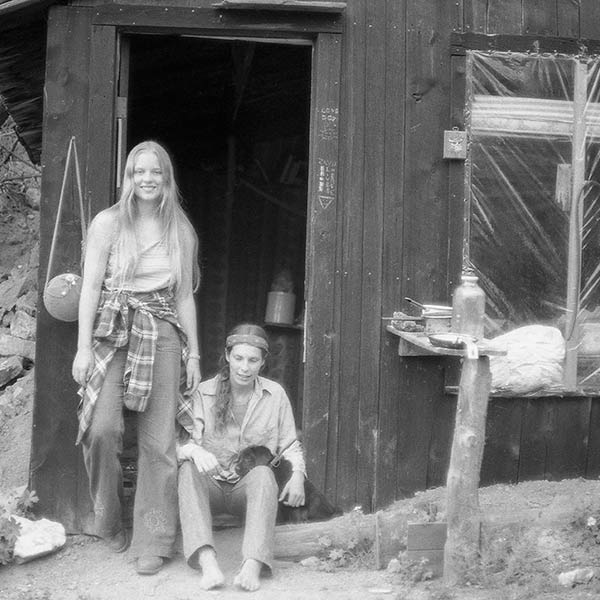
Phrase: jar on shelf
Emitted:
{"points": [[468, 307]]}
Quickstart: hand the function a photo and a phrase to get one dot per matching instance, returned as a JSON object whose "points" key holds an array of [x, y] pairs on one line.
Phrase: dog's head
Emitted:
{"points": [[250, 457]]}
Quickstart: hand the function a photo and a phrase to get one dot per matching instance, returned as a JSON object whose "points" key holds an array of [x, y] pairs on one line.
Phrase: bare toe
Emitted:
{"points": [[249, 576], [212, 576]]}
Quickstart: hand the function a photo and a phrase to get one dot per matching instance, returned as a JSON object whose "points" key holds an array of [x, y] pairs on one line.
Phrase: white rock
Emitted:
{"points": [[572, 578], [38, 538], [311, 562], [394, 566]]}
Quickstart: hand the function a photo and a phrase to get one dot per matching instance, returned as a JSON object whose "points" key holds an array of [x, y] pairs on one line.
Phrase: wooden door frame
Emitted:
{"points": [[322, 207]]}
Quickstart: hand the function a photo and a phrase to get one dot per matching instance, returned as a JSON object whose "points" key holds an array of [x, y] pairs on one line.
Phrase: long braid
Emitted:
{"points": [[223, 398]]}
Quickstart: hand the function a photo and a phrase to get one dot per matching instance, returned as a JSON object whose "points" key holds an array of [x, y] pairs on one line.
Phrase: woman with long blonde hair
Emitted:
{"points": [[137, 335]]}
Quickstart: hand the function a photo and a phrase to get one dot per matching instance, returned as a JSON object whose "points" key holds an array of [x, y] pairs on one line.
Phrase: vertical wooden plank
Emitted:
{"points": [[321, 328], [426, 182], [539, 17], [389, 401], [554, 438], [503, 438], [567, 14], [352, 152], [55, 461], [419, 396], [589, 18], [592, 467], [100, 173], [458, 18], [371, 293], [475, 15], [534, 434], [505, 17], [567, 438], [442, 430], [457, 193], [426, 229]]}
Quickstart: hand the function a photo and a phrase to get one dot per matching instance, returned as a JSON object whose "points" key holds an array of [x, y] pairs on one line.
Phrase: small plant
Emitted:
{"points": [[18, 501], [354, 553], [352, 550], [9, 532]]}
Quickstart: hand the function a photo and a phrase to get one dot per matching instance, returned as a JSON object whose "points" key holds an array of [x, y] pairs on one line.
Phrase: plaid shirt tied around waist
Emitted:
{"points": [[112, 332]]}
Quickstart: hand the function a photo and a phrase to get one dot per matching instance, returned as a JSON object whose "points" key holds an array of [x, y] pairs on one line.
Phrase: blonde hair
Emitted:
{"points": [[172, 217]]}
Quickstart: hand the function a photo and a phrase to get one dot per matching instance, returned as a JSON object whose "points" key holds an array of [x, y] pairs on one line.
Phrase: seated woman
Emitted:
{"points": [[234, 410]]}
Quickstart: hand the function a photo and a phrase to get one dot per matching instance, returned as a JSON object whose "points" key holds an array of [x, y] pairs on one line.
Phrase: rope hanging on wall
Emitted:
{"points": [[62, 292]]}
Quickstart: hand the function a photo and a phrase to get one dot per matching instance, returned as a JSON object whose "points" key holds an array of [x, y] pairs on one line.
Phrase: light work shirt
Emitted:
{"points": [[269, 421]]}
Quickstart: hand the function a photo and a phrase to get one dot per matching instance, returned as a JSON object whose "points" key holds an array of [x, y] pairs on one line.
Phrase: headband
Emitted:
{"points": [[245, 338]]}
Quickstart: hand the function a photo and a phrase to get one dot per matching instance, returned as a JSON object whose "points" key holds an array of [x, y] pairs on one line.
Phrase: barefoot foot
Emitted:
{"points": [[249, 576], [212, 576]]}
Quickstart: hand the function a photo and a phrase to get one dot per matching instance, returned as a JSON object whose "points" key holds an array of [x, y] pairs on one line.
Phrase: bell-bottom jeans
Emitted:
{"points": [[155, 505], [254, 497]]}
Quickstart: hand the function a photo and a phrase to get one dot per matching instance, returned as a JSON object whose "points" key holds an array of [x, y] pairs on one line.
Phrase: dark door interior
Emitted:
{"points": [[234, 115]]}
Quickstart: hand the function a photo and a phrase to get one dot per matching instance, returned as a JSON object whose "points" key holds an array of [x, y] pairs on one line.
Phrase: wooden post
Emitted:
{"points": [[573, 327], [462, 544]]}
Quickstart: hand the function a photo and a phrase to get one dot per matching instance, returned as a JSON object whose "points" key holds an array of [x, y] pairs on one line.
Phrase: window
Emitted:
{"points": [[533, 188]]}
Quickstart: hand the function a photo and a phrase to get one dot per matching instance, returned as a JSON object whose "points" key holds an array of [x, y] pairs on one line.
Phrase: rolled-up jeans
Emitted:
{"points": [[155, 506], [254, 497]]}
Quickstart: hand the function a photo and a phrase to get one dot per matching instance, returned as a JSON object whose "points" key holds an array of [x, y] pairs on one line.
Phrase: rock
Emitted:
{"points": [[576, 576], [28, 303], [14, 346], [10, 368], [312, 562], [38, 538], [23, 326], [394, 566], [32, 197], [10, 290]]}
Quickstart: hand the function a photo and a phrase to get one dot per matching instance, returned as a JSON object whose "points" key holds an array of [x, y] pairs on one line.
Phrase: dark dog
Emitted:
{"points": [[316, 507]]}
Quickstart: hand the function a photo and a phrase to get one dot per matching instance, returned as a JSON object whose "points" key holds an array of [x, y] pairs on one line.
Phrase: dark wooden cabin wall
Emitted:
{"points": [[389, 424], [79, 94], [547, 438], [56, 470], [395, 103], [541, 438]]}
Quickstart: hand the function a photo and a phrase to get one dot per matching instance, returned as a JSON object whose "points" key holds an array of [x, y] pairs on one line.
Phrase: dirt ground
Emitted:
{"points": [[555, 535], [535, 531]]}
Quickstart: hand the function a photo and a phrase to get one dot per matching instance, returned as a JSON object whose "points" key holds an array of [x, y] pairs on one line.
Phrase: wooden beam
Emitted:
{"points": [[292, 5], [185, 20], [461, 42]]}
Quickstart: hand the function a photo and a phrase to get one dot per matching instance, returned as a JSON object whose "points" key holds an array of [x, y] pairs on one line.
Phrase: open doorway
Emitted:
{"points": [[235, 116]]}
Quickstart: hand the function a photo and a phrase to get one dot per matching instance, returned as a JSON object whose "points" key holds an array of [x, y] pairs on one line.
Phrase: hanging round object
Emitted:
{"points": [[61, 296]]}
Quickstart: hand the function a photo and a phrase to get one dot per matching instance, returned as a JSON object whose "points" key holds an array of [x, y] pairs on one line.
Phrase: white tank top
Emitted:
{"points": [[153, 270]]}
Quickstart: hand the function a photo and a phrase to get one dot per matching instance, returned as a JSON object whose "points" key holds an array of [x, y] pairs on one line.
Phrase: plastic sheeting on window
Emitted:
{"points": [[533, 177]]}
